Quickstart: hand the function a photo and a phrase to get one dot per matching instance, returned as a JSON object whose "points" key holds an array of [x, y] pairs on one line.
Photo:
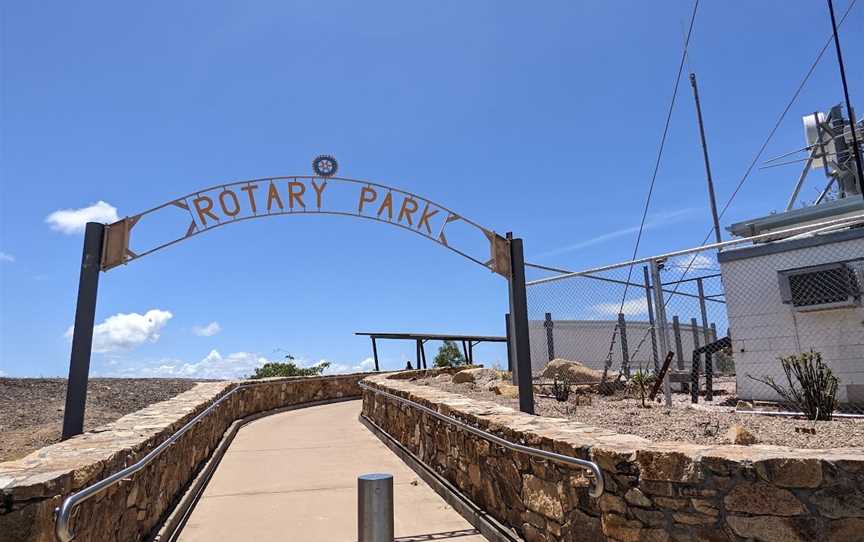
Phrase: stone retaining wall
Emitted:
{"points": [[31, 487], [654, 491]]}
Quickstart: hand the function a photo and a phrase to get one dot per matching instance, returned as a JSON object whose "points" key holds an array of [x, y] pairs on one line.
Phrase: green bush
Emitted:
{"points": [[449, 355], [289, 368]]}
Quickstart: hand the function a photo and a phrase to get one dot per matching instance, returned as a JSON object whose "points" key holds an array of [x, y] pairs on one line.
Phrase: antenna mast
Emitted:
{"points": [[707, 163], [855, 146]]}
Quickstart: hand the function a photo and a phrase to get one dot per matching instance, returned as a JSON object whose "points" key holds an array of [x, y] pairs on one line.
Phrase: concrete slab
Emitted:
{"points": [[293, 476]]}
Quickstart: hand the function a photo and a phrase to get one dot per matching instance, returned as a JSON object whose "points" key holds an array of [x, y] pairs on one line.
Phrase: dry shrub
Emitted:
{"points": [[812, 387]]}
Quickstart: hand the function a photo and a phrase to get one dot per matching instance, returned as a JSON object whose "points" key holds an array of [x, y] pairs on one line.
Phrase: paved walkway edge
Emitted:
{"points": [[173, 524], [488, 526]]}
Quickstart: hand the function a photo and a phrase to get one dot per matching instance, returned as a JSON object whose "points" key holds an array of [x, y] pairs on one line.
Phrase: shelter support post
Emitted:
{"points": [[375, 354], [520, 337], [82, 335]]}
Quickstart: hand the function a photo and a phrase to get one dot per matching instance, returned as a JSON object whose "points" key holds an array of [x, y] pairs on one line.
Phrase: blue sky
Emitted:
{"points": [[544, 122]]}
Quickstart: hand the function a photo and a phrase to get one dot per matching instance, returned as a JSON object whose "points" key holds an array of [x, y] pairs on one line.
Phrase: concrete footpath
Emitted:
{"points": [[293, 476]]}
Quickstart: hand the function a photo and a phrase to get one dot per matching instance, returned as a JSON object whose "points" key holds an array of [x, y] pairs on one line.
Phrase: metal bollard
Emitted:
{"points": [[375, 508]]}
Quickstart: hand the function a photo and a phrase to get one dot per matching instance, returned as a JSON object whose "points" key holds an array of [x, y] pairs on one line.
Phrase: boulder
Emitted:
{"points": [[576, 372], [505, 390], [477, 375], [738, 435]]}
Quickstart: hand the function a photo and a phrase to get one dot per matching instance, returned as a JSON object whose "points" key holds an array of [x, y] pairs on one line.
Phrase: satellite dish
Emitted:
{"points": [[818, 137]]}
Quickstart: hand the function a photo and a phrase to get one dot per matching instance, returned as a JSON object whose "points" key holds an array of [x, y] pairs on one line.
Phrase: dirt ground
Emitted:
{"points": [[31, 409], [705, 423]]}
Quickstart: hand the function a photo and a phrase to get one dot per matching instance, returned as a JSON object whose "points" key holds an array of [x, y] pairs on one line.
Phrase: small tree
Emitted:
{"points": [[643, 379], [812, 386], [449, 355], [289, 368]]}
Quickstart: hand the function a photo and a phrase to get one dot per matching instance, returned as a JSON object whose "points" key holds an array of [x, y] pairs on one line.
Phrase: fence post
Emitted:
{"points": [[82, 335], [706, 331], [519, 317], [660, 309], [694, 371], [625, 351], [679, 347], [650, 305], [550, 339]]}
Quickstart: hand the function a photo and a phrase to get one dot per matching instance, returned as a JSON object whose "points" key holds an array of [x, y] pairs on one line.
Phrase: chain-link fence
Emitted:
{"points": [[724, 319]]}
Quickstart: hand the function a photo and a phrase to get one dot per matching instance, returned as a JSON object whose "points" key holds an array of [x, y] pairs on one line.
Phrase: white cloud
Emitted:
{"points": [[365, 366], [8, 258], [72, 221], [652, 222], [215, 365], [695, 261], [125, 331], [207, 331], [632, 307], [212, 366], [2, 373]]}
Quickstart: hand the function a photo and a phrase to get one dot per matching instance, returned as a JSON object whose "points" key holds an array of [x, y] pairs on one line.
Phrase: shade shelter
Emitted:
{"points": [[468, 343]]}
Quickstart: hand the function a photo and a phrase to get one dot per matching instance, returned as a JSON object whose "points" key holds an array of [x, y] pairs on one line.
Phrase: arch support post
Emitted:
{"points": [[519, 336], [82, 335]]}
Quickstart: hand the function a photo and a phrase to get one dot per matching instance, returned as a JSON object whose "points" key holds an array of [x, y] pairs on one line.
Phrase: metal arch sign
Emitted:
{"points": [[257, 198]]}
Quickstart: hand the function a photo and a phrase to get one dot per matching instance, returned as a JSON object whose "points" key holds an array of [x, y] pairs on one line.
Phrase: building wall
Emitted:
{"points": [[588, 341], [763, 328]]}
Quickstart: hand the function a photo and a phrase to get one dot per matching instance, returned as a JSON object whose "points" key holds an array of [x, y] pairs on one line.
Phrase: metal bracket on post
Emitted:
{"points": [[82, 335], [510, 365], [662, 326], [521, 347]]}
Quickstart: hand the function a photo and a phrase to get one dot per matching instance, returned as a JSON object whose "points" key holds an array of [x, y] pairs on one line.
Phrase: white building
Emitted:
{"points": [[793, 295]]}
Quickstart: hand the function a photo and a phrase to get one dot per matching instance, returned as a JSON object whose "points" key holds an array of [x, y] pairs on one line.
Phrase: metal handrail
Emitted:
{"points": [[64, 512], [595, 491]]}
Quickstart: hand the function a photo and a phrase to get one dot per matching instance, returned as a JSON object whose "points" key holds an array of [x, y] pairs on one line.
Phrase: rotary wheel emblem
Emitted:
{"points": [[324, 165]]}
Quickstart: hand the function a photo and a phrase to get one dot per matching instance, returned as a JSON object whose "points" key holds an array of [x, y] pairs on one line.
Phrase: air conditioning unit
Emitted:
{"points": [[821, 287]]}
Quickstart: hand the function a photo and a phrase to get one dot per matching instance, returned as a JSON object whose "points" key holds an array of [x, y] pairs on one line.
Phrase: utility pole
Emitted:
{"points": [[711, 197], [855, 147]]}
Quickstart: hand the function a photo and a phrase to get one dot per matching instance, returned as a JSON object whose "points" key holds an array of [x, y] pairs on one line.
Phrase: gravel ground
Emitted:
{"points": [[31, 409], [623, 413]]}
